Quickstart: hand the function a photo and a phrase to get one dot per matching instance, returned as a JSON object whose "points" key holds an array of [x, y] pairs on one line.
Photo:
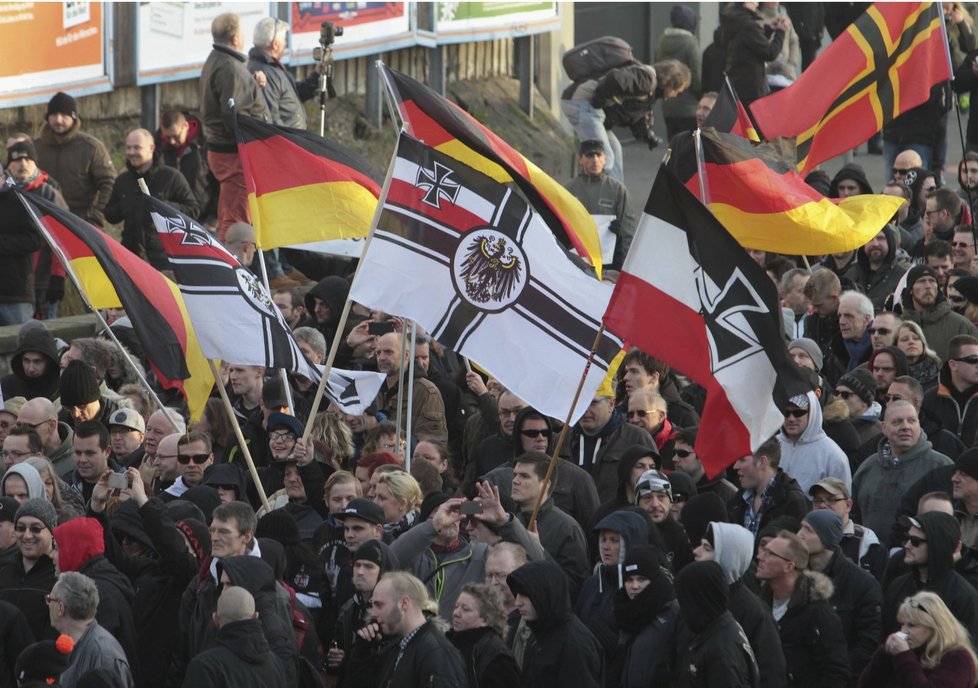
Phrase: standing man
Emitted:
{"points": [[180, 143], [56, 437], [225, 77], [79, 162], [282, 93], [194, 456], [876, 271], [427, 410], [926, 305], [963, 247], [602, 194], [807, 453], [953, 405], [653, 493], [91, 445], [766, 491]]}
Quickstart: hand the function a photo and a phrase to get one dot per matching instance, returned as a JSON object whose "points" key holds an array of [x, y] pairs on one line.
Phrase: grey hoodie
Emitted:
{"points": [[33, 480], [733, 549], [814, 456]]}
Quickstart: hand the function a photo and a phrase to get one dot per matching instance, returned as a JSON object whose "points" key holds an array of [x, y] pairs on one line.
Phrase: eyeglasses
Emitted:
{"points": [[844, 394], [198, 459], [35, 528], [826, 501], [880, 330], [34, 426], [892, 397], [49, 599], [682, 453], [961, 244], [796, 413], [768, 552], [281, 437], [970, 360], [638, 414], [914, 540], [533, 434], [14, 454]]}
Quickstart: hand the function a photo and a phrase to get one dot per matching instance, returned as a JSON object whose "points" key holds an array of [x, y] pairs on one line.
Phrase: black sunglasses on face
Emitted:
{"points": [[914, 540], [796, 413], [682, 453], [970, 360], [198, 459], [844, 394], [533, 434], [880, 330]]}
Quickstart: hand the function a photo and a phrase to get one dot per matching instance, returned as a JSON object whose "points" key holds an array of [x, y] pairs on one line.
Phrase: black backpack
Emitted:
{"points": [[592, 59]]}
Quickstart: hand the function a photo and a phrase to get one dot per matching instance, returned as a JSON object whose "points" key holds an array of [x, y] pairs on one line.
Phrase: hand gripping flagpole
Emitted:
{"points": [[81, 292], [338, 337], [559, 444]]}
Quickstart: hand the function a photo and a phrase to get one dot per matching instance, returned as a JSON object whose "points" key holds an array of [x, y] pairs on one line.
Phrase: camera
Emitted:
{"points": [[328, 31], [642, 131], [118, 481]]}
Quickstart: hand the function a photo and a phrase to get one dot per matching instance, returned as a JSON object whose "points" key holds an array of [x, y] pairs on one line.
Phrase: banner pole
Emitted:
{"points": [[410, 398], [400, 389]]}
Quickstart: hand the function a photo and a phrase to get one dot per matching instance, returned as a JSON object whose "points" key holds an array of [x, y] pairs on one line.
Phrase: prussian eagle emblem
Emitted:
{"points": [[491, 269]]}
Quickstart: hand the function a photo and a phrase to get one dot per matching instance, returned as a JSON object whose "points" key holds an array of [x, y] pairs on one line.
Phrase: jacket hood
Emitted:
{"points": [[126, 521], [546, 585], [943, 533], [891, 247], [627, 462], [835, 411], [634, 530], [733, 549], [251, 573], [39, 340], [333, 291], [226, 474], [79, 540], [518, 426], [246, 639], [852, 172], [700, 510], [814, 431], [32, 478], [703, 594]]}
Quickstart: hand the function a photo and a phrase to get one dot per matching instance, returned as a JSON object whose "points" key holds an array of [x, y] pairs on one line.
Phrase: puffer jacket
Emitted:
{"points": [[81, 164]]}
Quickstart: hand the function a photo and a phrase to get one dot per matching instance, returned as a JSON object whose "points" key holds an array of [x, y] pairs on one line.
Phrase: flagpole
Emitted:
{"points": [[240, 436], [282, 373], [545, 486], [700, 168], [400, 389], [338, 337], [389, 95], [410, 398], [81, 292]]}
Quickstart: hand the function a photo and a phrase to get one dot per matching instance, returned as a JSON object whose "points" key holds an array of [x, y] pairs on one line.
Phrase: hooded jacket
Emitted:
{"points": [[565, 654], [679, 42], [241, 659], [951, 410], [749, 47], [876, 284], [940, 324], [733, 551], [32, 479], [603, 449], [943, 534], [595, 604], [852, 172], [83, 167], [16, 384], [813, 456], [880, 483]]}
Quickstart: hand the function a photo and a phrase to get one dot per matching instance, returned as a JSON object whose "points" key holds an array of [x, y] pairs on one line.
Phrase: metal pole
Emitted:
{"points": [[410, 397]]}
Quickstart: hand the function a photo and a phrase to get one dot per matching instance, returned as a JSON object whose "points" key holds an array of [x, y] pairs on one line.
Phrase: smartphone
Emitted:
{"points": [[470, 508], [380, 328], [118, 481]]}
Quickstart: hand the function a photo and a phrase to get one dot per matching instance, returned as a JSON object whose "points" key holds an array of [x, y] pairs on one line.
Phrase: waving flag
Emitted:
{"points": [[111, 276], [762, 201], [446, 127], [303, 188], [353, 390], [728, 115], [691, 297], [471, 262], [883, 65], [235, 319]]}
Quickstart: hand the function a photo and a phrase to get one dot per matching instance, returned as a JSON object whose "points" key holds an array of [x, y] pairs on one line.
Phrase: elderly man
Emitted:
{"points": [[855, 313], [126, 203], [282, 93]]}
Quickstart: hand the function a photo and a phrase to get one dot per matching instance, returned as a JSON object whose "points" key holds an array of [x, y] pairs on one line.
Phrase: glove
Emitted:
{"points": [[56, 290]]}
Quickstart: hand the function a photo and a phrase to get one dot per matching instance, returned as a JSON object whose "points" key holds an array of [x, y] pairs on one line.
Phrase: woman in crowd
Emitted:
{"points": [[332, 440], [367, 465], [214, 421], [435, 451], [399, 495], [478, 628], [931, 650], [923, 362], [67, 502]]}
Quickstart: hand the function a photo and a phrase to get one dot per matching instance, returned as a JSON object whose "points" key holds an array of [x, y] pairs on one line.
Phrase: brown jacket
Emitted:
{"points": [[427, 409], [225, 76], [81, 164]]}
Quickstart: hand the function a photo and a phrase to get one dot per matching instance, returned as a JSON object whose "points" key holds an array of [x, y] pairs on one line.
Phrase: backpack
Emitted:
{"points": [[592, 59]]}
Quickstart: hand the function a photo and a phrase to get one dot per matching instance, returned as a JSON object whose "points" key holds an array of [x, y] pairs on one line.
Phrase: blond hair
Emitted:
{"points": [[928, 610], [402, 486]]}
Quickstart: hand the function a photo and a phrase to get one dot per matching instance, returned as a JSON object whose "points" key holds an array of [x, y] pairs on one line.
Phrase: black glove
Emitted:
{"points": [[56, 290]]}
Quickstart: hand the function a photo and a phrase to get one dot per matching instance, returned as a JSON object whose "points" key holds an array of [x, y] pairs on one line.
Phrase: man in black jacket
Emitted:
{"points": [[19, 239], [180, 144], [766, 491], [241, 658], [750, 44], [282, 93], [424, 656], [857, 597]]}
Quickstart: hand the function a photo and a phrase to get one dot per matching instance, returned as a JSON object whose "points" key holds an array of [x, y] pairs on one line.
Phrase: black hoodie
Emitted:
{"points": [[242, 659], [564, 654], [877, 284], [17, 384]]}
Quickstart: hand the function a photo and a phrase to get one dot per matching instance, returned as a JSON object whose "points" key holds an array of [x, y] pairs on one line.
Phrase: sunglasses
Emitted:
{"points": [[682, 453], [880, 330], [892, 397], [198, 459], [796, 413], [897, 172], [533, 434], [639, 414], [916, 604], [845, 395], [970, 360], [35, 528], [914, 540], [592, 154]]}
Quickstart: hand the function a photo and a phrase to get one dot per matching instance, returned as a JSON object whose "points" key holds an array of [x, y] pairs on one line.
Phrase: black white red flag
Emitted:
{"points": [[470, 261], [689, 295]]}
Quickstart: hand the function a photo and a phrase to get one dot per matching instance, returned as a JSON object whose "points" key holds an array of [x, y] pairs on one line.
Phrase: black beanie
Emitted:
{"points": [[278, 525], [21, 150], [702, 593], [44, 661], [78, 385], [861, 382], [62, 104], [967, 287], [642, 560], [431, 503], [699, 511]]}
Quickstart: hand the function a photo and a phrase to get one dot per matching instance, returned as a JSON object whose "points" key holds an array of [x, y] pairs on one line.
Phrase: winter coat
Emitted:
{"points": [[858, 600], [942, 407], [903, 670], [813, 456], [97, 649], [26, 590], [602, 194], [225, 76], [563, 539], [241, 659], [682, 45], [282, 93], [427, 409], [788, 500], [15, 635], [573, 492], [812, 639], [604, 449], [428, 661], [878, 485], [940, 326], [488, 662], [19, 239], [749, 47], [563, 653], [191, 160], [16, 384], [878, 285], [127, 204], [81, 164], [718, 657], [645, 656]]}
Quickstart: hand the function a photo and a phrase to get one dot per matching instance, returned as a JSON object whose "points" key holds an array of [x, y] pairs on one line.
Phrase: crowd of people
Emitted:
{"points": [[420, 543]]}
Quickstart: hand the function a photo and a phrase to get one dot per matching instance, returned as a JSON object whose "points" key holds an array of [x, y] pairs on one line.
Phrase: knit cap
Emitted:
{"points": [[62, 104], [41, 509], [78, 384], [861, 382], [827, 525]]}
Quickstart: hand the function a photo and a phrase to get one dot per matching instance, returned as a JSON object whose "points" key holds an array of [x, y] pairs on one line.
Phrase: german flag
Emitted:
{"points": [[883, 65], [728, 115], [111, 276], [303, 188], [755, 192], [444, 126]]}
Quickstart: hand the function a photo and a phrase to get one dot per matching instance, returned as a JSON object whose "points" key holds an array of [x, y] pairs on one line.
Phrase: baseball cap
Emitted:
{"points": [[363, 509], [591, 146], [128, 418], [833, 486]]}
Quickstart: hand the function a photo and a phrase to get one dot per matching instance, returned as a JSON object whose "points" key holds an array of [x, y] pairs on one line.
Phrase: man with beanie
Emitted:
{"points": [[856, 597], [953, 404], [32, 573], [859, 543], [811, 633], [925, 304], [932, 540], [42, 663], [356, 660], [904, 456], [564, 653], [715, 650], [81, 398], [857, 389], [653, 492], [805, 353], [223, 77], [603, 195], [732, 548], [964, 486], [241, 657], [79, 162]]}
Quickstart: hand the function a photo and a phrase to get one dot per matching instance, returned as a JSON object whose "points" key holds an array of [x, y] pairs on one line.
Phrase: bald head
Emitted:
{"points": [[388, 350], [40, 414], [234, 604], [166, 457], [139, 149], [906, 160]]}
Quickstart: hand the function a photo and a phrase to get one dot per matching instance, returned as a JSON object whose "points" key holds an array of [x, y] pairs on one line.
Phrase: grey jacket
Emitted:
{"points": [[97, 649], [602, 194], [225, 76], [283, 94]]}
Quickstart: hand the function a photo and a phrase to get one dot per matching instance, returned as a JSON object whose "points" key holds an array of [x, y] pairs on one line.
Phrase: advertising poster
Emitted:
{"points": [[465, 20], [366, 26], [50, 47]]}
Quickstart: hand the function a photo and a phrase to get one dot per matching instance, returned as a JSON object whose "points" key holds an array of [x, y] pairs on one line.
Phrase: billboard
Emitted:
{"points": [[368, 27], [457, 22]]}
